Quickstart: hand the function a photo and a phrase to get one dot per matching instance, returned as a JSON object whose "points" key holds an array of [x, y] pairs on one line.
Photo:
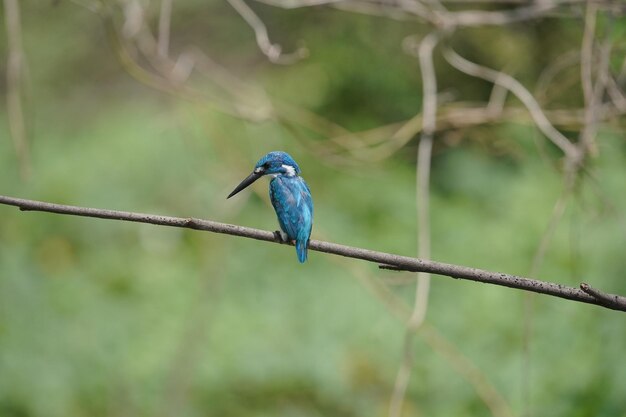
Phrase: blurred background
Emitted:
{"points": [[163, 106]]}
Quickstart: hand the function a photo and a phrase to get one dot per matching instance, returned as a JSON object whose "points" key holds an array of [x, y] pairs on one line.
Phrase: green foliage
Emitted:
{"points": [[107, 318]]}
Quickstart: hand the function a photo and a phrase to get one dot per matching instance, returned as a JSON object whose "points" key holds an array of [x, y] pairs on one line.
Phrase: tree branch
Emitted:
{"points": [[422, 184], [164, 28], [610, 301], [515, 87], [272, 50]]}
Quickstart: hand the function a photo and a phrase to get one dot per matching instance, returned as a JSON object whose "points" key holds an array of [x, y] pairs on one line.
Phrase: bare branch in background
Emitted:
{"points": [[592, 95], [375, 9], [273, 51], [483, 18], [485, 390], [495, 106], [586, 52], [255, 107], [617, 95], [297, 4], [165, 19], [93, 6], [233, 96], [511, 84], [418, 8], [594, 92], [15, 62], [424, 153], [403, 263], [555, 218], [436, 14], [134, 18], [528, 302], [553, 69]]}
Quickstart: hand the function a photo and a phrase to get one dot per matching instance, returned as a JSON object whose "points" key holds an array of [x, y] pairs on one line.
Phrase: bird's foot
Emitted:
{"points": [[281, 236]]}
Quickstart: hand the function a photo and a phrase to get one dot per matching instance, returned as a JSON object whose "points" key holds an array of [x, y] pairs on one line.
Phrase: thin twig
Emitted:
{"points": [[14, 70], [429, 125], [554, 68], [616, 94], [273, 51], [485, 390], [528, 302], [586, 50], [164, 28], [521, 93], [604, 297], [555, 218], [401, 262], [297, 4], [593, 98], [481, 18], [497, 99]]}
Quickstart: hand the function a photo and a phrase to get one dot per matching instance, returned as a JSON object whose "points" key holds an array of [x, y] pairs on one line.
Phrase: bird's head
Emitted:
{"points": [[274, 163], [277, 163]]}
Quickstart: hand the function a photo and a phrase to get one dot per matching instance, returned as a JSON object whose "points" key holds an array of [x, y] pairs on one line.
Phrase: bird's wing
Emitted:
{"points": [[292, 202]]}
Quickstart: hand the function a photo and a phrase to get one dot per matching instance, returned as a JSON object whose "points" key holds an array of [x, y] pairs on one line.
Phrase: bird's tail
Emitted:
{"points": [[301, 248]]}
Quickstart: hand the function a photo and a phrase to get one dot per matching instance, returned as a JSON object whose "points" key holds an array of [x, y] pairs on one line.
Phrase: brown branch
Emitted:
{"points": [[400, 262]]}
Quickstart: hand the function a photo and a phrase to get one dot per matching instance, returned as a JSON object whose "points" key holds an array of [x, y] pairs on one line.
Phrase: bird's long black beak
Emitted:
{"points": [[249, 180]]}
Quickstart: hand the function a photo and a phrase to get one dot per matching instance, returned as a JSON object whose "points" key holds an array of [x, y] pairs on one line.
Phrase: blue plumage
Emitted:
{"points": [[290, 197]]}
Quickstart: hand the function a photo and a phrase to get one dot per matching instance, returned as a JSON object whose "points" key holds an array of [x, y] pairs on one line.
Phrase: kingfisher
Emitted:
{"points": [[290, 196]]}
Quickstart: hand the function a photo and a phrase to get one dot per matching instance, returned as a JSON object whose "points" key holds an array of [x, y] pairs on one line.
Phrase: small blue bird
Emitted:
{"points": [[290, 197]]}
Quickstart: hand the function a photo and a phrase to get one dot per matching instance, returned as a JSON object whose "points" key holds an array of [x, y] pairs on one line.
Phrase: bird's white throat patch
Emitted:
{"points": [[291, 171]]}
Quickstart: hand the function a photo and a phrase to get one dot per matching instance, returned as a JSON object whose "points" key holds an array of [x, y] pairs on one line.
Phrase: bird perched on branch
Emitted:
{"points": [[290, 197]]}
